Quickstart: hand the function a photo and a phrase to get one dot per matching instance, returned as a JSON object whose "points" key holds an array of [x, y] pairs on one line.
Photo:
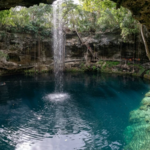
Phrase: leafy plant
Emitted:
{"points": [[89, 16], [94, 68]]}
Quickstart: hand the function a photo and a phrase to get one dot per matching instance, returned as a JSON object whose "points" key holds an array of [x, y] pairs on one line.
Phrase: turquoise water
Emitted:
{"points": [[91, 113]]}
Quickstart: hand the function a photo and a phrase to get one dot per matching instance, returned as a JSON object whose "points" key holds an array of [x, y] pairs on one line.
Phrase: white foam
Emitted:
{"points": [[57, 96]]}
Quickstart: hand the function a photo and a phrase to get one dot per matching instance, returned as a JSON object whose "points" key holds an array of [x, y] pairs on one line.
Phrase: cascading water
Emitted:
{"points": [[58, 45]]}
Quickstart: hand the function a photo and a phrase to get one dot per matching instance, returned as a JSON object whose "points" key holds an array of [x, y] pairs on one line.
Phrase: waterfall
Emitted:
{"points": [[58, 45]]}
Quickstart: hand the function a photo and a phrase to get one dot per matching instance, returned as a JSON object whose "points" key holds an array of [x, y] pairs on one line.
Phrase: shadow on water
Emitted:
{"points": [[92, 113]]}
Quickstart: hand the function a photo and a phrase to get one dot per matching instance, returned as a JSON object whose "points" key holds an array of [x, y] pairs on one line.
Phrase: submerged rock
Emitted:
{"points": [[146, 101], [147, 94], [143, 107], [137, 135]]}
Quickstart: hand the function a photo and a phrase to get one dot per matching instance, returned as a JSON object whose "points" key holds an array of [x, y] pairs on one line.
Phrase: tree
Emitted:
{"points": [[144, 41], [3, 16], [24, 19], [110, 18]]}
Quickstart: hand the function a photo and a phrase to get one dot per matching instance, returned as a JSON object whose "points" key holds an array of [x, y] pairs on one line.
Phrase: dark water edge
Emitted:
{"points": [[91, 114]]}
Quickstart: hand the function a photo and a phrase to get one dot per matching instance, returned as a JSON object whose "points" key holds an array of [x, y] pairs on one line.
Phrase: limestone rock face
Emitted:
{"points": [[30, 49], [24, 50]]}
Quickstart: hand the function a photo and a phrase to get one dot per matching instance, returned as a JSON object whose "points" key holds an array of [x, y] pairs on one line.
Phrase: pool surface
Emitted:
{"points": [[91, 113]]}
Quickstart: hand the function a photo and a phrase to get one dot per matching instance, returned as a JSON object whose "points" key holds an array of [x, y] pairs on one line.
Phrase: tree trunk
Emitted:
{"points": [[39, 48], [145, 43], [87, 45]]}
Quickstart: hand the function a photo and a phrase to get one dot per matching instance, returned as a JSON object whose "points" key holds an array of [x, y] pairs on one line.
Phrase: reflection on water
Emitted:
{"points": [[91, 114]]}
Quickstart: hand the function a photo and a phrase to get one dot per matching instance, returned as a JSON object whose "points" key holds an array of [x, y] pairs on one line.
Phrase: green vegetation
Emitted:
{"points": [[141, 71], [148, 72], [112, 63], [35, 19], [89, 16], [109, 18], [100, 62], [108, 64], [31, 71], [2, 55], [94, 67]]}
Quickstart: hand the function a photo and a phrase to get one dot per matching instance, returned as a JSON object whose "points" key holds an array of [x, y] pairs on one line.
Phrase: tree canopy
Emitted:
{"points": [[90, 15], [22, 19]]}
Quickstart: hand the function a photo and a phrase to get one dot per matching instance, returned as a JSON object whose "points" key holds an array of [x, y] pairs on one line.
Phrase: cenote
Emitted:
{"points": [[74, 75], [91, 113]]}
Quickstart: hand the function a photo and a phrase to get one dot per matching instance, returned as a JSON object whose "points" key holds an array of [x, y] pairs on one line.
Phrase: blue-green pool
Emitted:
{"points": [[91, 113]]}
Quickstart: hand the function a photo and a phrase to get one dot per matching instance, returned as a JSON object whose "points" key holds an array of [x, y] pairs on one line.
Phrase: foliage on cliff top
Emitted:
{"points": [[89, 16], [108, 17], [35, 19]]}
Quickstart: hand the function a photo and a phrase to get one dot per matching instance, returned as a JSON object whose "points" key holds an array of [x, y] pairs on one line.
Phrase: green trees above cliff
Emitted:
{"points": [[22, 19], [4, 15], [110, 18], [89, 16], [75, 17], [99, 16]]}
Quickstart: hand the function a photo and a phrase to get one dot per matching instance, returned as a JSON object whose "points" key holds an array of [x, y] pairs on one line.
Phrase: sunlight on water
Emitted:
{"points": [[74, 143], [57, 96]]}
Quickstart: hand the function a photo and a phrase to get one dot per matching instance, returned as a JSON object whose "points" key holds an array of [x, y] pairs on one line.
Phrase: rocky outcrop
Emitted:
{"points": [[24, 51]]}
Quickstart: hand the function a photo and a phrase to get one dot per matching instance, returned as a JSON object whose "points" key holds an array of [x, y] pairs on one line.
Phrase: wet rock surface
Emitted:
{"points": [[110, 53]]}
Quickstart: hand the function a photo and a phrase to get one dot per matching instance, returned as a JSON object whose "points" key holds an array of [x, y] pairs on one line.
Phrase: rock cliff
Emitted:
{"points": [[25, 51]]}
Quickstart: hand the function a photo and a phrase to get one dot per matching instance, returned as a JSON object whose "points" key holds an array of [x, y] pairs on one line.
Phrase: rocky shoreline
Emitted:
{"points": [[80, 65]]}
